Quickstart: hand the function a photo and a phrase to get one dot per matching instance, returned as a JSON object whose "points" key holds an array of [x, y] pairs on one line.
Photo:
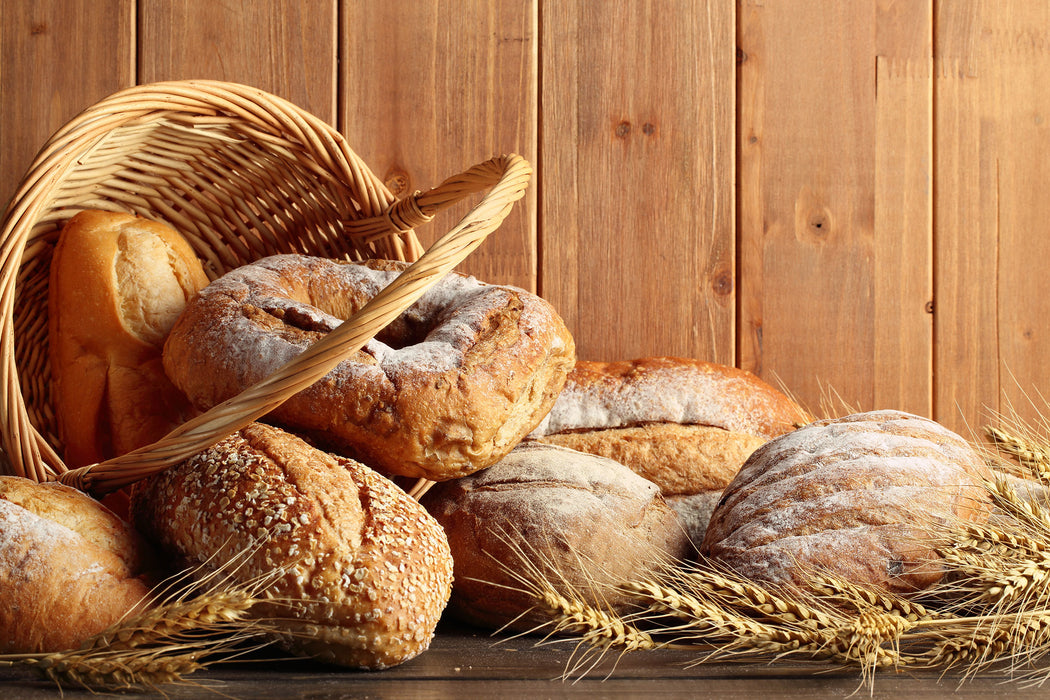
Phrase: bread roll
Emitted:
{"points": [[686, 425], [366, 571], [118, 282], [69, 568], [856, 496], [580, 520]]}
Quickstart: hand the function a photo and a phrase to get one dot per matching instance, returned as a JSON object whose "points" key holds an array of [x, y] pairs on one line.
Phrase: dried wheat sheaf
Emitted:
{"points": [[989, 614]]}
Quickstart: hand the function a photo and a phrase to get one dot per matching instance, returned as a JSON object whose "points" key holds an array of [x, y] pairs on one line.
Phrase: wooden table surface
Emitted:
{"points": [[463, 663]]}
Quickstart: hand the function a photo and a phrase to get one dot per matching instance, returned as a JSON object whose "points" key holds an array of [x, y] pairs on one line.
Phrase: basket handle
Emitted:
{"points": [[507, 176]]}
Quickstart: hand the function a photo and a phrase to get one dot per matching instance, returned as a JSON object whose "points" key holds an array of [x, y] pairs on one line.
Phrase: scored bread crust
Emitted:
{"points": [[583, 522], [685, 424], [447, 389], [366, 571], [858, 496], [117, 283], [69, 568], [600, 395]]}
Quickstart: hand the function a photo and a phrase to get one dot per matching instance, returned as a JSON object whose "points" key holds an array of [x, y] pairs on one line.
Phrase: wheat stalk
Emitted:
{"points": [[1032, 454], [197, 618]]}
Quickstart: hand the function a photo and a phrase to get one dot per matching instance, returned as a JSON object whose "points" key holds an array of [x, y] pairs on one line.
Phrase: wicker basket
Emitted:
{"points": [[241, 174]]}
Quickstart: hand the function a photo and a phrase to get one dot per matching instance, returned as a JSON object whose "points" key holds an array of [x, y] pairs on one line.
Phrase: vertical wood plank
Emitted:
{"points": [[903, 244], [807, 178], [430, 89], [52, 66], [637, 218], [993, 139], [284, 47]]}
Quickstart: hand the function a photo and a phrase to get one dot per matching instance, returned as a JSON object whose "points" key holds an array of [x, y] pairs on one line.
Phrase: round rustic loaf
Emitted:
{"points": [[69, 568], [365, 572], [856, 496], [684, 424], [448, 388], [579, 520]]}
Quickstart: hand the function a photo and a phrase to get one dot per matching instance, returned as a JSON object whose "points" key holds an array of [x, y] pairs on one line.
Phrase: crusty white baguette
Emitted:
{"points": [[365, 571], [117, 284], [69, 568]]}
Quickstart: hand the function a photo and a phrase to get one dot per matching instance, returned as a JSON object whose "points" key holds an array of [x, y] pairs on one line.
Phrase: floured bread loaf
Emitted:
{"points": [[855, 496], [686, 425], [365, 572], [577, 518], [69, 568]]}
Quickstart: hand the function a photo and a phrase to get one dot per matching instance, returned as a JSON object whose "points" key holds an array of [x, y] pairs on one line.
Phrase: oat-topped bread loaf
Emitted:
{"points": [[367, 572], [856, 496], [578, 519], [69, 568], [684, 424]]}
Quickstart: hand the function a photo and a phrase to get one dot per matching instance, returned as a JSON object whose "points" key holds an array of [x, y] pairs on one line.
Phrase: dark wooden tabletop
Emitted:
{"points": [[467, 664]]}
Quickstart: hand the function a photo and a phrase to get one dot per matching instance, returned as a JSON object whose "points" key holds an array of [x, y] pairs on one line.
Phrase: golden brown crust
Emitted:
{"points": [[601, 395], [680, 459], [367, 572], [685, 424], [69, 568], [117, 283], [579, 519], [856, 495], [447, 389]]}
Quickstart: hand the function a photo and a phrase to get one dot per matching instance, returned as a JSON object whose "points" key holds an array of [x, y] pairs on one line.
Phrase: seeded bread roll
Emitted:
{"points": [[577, 518], [69, 568], [118, 282], [366, 571], [856, 496], [686, 425]]}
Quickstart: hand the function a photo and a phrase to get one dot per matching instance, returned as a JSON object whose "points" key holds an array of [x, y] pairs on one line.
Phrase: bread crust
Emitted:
{"points": [[366, 570], [600, 395], [685, 424], [447, 389], [69, 568], [577, 519], [856, 495], [117, 283]]}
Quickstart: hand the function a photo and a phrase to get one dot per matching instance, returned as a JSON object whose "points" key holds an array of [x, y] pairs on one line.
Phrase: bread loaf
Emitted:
{"points": [[580, 520], [856, 496], [69, 568], [117, 284], [365, 572], [686, 425]]}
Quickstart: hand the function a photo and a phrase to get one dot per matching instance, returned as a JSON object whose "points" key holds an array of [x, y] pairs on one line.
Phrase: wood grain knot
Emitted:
{"points": [[722, 283], [623, 130], [813, 220]]}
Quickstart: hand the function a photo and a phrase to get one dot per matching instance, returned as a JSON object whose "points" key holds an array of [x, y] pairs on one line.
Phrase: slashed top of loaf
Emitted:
{"points": [[848, 491], [601, 395]]}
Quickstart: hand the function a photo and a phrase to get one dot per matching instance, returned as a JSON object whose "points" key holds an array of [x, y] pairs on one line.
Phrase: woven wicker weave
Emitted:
{"points": [[241, 174]]}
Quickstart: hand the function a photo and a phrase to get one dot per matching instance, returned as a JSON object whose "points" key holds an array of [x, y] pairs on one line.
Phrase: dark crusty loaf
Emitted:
{"points": [[69, 568], [367, 572], [855, 495], [577, 518]]}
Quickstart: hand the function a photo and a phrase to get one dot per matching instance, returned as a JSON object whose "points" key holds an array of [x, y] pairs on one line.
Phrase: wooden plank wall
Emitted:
{"points": [[844, 196]]}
